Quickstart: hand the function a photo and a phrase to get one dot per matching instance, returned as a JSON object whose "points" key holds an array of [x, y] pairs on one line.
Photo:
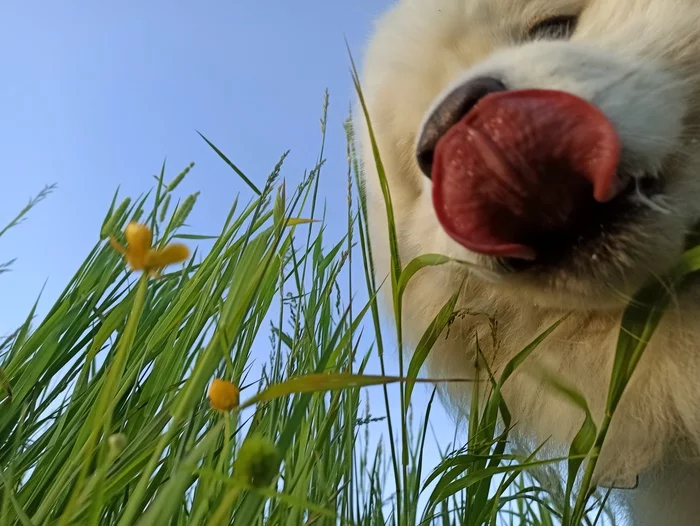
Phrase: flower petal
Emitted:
{"points": [[117, 246], [169, 254], [138, 237]]}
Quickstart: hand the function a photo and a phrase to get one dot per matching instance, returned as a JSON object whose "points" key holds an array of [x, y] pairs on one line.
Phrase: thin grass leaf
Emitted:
{"points": [[427, 341], [232, 166], [582, 442]]}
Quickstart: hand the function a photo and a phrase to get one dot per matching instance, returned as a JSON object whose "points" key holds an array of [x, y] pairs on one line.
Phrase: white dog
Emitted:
{"points": [[552, 143]]}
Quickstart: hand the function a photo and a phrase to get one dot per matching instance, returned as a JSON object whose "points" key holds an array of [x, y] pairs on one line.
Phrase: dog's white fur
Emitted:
{"points": [[639, 61]]}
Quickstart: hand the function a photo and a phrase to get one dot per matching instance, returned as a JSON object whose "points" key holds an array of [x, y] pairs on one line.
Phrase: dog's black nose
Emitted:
{"points": [[448, 113]]}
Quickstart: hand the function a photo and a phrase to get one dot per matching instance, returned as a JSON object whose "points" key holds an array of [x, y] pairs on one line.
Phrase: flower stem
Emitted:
{"points": [[102, 418]]}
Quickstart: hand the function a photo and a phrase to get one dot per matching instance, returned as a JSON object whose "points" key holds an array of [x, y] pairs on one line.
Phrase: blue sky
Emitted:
{"points": [[96, 94]]}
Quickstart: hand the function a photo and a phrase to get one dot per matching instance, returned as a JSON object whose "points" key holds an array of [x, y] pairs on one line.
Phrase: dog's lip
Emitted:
{"points": [[616, 207], [648, 184]]}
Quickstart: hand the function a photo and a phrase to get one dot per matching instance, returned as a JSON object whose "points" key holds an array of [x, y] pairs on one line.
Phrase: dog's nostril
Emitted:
{"points": [[450, 111]]}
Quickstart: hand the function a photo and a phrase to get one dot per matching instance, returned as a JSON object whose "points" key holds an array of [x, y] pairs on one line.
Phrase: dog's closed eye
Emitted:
{"points": [[554, 28]]}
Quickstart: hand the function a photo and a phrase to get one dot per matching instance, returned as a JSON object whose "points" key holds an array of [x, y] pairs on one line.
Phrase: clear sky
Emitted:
{"points": [[96, 94]]}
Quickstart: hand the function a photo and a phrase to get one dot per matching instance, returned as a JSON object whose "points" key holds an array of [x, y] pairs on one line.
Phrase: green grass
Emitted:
{"points": [[105, 417]]}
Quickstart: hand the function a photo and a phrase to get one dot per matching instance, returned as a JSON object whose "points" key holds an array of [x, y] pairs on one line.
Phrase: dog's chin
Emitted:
{"points": [[568, 289], [567, 292]]}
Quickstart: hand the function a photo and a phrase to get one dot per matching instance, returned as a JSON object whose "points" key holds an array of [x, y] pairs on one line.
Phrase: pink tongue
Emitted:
{"points": [[521, 166]]}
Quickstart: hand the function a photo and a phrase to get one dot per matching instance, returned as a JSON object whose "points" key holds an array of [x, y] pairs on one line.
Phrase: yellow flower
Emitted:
{"points": [[223, 395], [140, 255]]}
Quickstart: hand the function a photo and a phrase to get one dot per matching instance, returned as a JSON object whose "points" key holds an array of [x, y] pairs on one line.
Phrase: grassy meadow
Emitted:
{"points": [[105, 410]]}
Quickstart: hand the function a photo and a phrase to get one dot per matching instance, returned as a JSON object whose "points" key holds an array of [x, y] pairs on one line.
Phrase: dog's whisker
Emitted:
{"points": [[654, 203]]}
